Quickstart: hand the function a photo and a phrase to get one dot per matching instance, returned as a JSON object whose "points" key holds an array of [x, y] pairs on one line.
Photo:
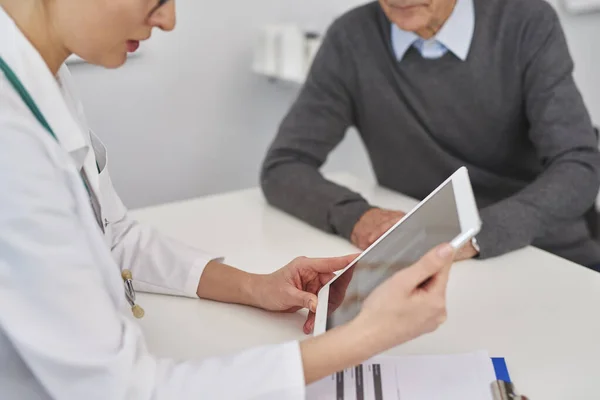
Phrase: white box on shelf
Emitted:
{"points": [[284, 52], [292, 54], [265, 51]]}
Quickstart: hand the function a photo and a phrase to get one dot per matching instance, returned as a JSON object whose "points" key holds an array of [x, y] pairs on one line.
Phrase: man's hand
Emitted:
{"points": [[296, 285], [372, 225], [376, 222]]}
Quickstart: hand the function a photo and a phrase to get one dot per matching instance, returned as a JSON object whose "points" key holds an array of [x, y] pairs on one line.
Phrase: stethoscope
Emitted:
{"points": [[137, 311]]}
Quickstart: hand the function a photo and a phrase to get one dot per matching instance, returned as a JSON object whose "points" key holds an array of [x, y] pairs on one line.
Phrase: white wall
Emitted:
{"points": [[204, 120], [582, 32]]}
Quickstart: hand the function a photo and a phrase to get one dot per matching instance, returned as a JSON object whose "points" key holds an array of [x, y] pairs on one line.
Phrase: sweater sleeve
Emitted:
{"points": [[315, 125], [563, 135]]}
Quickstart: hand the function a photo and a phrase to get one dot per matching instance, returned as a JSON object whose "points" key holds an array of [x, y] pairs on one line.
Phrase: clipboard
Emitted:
{"points": [[503, 388]]}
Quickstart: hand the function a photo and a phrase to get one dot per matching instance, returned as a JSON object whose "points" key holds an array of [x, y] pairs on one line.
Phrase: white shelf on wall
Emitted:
{"points": [[582, 6], [285, 52]]}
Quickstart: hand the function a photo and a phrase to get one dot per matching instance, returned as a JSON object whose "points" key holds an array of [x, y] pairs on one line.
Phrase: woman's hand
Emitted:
{"points": [[296, 286], [409, 304]]}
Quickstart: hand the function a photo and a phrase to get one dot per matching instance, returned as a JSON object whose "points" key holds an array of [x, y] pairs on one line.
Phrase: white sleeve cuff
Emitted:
{"points": [[191, 285]]}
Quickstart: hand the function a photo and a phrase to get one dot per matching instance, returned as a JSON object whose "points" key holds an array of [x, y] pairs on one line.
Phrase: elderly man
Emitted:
{"points": [[432, 85]]}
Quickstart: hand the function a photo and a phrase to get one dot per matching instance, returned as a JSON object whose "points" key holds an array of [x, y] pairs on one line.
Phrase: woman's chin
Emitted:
{"points": [[112, 61]]}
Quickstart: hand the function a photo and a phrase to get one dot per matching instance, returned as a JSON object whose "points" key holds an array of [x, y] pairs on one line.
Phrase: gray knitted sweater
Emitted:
{"points": [[510, 113]]}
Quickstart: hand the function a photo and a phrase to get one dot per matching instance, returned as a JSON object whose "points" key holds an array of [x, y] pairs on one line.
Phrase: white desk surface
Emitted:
{"points": [[540, 312]]}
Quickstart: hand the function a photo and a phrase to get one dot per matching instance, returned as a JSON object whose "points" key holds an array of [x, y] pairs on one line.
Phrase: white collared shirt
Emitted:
{"points": [[455, 35], [66, 330]]}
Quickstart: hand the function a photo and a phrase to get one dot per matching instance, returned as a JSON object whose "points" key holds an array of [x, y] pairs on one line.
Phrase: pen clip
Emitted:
{"points": [[137, 311]]}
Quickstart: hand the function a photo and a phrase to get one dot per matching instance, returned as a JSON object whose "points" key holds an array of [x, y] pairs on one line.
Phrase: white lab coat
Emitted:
{"points": [[66, 330]]}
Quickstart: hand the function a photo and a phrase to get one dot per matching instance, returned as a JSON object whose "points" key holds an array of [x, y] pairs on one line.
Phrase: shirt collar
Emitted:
{"points": [[456, 34]]}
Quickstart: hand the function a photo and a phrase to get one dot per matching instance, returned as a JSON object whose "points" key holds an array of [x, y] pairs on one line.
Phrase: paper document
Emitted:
{"points": [[445, 377]]}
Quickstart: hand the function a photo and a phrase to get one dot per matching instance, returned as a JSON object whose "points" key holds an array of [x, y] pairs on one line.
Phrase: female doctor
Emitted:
{"points": [[65, 237]]}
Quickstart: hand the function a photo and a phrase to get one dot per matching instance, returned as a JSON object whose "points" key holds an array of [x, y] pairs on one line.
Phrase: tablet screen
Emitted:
{"points": [[436, 221]]}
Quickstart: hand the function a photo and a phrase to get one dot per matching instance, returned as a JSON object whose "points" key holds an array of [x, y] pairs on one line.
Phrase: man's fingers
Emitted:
{"points": [[382, 228], [432, 263]]}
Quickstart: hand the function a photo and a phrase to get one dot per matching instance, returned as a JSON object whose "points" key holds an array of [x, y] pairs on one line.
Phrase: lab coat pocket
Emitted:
{"points": [[113, 209]]}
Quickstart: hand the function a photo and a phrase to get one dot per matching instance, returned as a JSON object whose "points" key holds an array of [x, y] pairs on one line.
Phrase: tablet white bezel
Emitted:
{"points": [[470, 225]]}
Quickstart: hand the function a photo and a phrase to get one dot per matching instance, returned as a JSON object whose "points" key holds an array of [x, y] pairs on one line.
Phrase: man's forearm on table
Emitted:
{"points": [[302, 191], [561, 193]]}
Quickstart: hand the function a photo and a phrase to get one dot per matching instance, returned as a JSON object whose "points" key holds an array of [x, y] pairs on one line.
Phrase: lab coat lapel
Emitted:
{"points": [[44, 88]]}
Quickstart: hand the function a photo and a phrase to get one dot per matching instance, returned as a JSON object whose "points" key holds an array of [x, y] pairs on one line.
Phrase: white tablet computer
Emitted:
{"points": [[448, 215]]}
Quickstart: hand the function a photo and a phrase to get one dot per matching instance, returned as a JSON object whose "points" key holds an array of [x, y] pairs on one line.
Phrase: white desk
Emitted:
{"points": [[539, 311]]}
